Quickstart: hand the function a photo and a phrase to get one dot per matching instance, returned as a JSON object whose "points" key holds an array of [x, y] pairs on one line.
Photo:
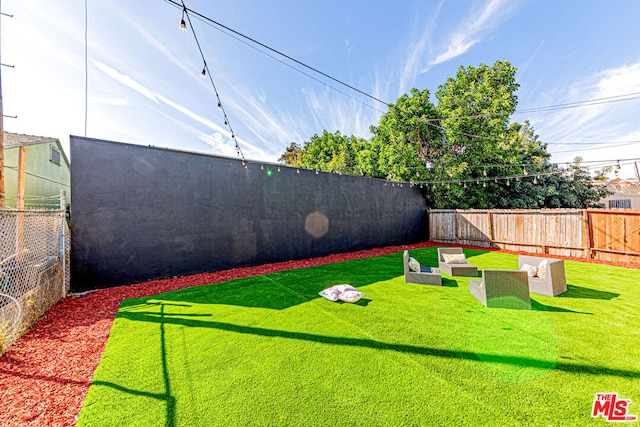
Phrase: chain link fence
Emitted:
{"points": [[34, 268]]}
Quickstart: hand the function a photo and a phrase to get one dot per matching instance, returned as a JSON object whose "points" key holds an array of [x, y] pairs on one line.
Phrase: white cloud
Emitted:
{"points": [[471, 29], [619, 80], [348, 116], [125, 80], [523, 68], [607, 121], [348, 45], [218, 143], [417, 51]]}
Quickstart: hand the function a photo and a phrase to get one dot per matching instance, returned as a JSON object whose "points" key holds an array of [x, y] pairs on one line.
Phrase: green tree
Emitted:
{"points": [[465, 148], [329, 152], [403, 145], [475, 107], [292, 155]]}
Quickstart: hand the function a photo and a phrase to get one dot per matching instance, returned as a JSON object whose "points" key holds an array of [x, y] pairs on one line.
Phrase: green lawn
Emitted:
{"points": [[268, 350]]}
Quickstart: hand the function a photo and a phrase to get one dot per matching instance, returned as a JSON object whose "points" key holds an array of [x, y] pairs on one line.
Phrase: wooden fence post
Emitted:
{"points": [[588, 233], [455, 224], [490, 228]]}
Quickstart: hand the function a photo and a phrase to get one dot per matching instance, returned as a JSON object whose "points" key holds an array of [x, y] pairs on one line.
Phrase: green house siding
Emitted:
{"points": [[44, 179]]}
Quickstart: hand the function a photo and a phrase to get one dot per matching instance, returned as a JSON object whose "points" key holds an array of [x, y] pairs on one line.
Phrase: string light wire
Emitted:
{"points": [[204, 73], [281, 54]]}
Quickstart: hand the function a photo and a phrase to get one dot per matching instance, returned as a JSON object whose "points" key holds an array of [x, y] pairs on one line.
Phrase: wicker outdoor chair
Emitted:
{"points": [[502, 289], [554, 282], [455, 269], [426, 275]]}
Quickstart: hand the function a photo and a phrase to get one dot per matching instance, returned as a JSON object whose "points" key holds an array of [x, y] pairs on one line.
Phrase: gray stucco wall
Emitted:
{"points": [[141, 213]]}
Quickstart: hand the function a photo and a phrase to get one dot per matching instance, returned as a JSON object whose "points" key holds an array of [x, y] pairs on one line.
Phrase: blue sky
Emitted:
{"points": [[144, 83]]}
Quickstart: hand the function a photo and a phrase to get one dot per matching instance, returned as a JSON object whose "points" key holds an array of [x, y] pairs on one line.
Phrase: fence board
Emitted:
{"points": [[605, 234]]}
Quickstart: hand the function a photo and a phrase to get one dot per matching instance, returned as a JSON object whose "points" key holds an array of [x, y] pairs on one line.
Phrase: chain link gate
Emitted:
{"points": [[34, 267]]}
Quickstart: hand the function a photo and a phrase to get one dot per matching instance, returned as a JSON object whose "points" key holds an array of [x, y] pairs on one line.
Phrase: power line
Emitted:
{"points": [[576, 104], [481, 137], [287, 64], [586, 103], [281, 54], [588, 149], [86, 66], [210, 21]]}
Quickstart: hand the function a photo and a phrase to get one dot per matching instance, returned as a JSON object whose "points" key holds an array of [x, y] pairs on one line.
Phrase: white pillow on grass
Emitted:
{"points": [[344, 288], [333, 293], [351, 296], [414, 265], [330, 294], [454, 258]]}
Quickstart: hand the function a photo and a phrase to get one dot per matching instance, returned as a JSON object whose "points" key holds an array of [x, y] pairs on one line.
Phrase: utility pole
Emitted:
{"points": [[2, 198]]}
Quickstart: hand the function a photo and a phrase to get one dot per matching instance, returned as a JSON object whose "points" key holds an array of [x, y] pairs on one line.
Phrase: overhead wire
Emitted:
{"points": [[486, 138], [239, 36], [205, 71], [222, 30], [249, 40], [282, 54]]}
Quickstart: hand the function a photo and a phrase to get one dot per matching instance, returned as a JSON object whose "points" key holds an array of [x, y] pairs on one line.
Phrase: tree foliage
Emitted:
{"points": [[464, 150], [329, 152]]}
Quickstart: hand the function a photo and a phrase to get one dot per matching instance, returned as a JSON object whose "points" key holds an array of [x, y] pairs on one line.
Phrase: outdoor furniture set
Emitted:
{"points": [[497, 288]]}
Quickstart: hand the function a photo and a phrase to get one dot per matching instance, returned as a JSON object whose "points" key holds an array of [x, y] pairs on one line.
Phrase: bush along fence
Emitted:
{"points": [[602, 234], [34, 267]]}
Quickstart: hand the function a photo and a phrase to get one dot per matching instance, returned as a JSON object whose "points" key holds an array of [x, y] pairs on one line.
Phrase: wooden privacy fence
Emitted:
{"points": [[603, 234]]}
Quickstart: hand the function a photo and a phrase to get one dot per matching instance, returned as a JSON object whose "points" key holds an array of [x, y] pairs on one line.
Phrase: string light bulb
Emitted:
{"points": [[219, 105], [183, 25], [484, 172], [535, 179], [203, 72]]}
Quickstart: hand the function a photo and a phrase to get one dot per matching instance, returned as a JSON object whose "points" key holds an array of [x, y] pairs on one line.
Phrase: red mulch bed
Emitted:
{"points": [[45, 375]]}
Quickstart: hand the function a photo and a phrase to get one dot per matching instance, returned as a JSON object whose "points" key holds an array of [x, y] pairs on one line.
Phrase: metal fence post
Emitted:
{"points": [[63, 249]]}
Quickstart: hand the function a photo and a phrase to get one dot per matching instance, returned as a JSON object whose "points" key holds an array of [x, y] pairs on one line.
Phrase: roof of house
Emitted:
{"points": [[12, 140]]}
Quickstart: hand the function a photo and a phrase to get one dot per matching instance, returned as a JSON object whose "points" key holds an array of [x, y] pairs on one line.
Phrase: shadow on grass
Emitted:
{"points": [[169, 400], [574, 291], [374, 344], [449, 283], [289, 288], [535, 305], [167, 397]]}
